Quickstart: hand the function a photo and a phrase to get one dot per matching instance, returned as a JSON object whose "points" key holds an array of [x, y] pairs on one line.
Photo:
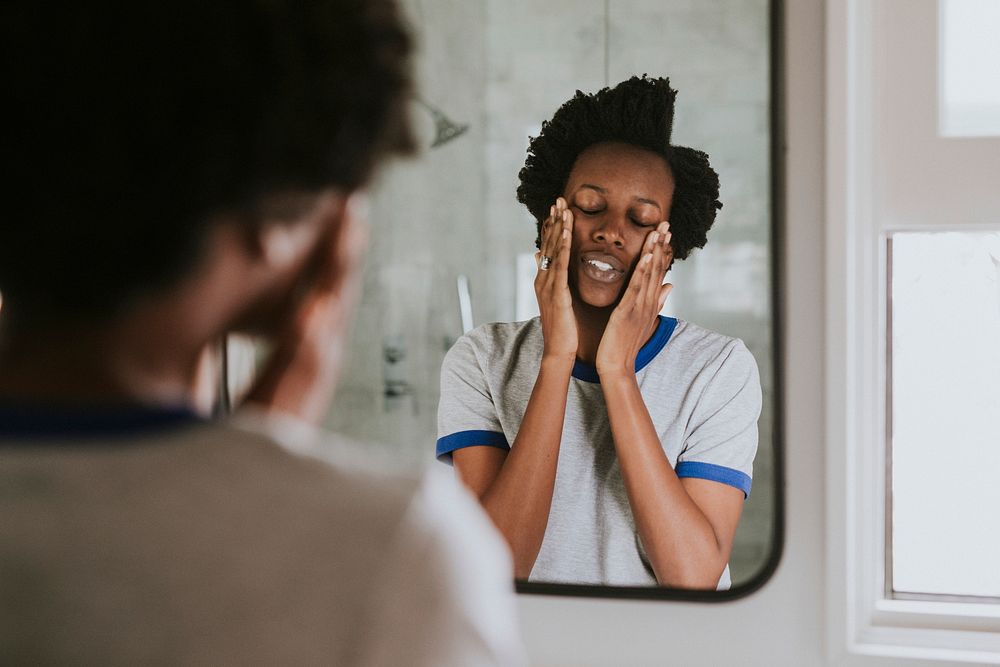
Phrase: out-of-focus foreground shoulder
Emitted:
{"points": [[446, 596], [438, 577]]}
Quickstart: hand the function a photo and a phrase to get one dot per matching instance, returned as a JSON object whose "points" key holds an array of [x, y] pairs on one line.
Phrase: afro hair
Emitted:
{"points": [[640, 112]]}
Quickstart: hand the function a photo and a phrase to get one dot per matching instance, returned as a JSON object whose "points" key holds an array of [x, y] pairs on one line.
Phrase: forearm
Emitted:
{"points": [[680, 542], [520, 497]]}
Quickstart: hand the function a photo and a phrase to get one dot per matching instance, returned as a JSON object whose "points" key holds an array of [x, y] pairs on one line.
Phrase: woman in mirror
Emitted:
{"points": [[609, 444]]}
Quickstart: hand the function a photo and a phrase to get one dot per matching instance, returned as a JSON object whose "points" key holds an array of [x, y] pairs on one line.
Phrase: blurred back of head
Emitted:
{"points": [[131, 125]]}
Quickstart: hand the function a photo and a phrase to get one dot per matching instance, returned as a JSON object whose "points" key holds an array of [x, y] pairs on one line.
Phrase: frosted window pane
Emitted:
{"points": [[970, 75], [946, 413]]}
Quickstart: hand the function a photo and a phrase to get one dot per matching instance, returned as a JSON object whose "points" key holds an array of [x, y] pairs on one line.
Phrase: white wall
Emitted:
{"points": [[785, 622]]}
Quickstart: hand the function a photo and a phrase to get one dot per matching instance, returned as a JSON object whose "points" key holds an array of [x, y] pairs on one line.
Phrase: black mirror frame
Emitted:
{"points": [[777, 161]]}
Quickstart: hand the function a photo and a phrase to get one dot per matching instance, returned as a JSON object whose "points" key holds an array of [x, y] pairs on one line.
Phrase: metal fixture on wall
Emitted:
{"points": [[395, 386]]}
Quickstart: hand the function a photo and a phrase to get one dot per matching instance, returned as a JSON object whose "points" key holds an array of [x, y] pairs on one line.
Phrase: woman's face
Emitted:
{"points": [[618, 193]]}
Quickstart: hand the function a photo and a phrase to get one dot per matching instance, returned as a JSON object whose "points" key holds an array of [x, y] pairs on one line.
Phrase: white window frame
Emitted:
{"points": [[862, 619]]}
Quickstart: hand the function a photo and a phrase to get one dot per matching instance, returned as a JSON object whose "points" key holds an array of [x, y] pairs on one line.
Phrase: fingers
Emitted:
{"points": [[645, 273], [635, 293], [351, 242], [645, 288], [664, 229], [550, 233], [667, 238], [556, 244], [662, 256], [565, 243]]}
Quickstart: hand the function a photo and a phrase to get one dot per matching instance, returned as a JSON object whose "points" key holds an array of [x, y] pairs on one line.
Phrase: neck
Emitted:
{"points": [[591, 322], [590, 325], [142, 359]]}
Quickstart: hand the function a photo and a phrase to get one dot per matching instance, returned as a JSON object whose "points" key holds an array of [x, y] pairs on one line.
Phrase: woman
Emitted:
{"points": [[609, 444]]}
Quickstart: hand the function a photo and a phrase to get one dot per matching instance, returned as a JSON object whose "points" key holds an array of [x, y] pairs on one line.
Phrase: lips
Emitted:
{"points": [[602, 267]]}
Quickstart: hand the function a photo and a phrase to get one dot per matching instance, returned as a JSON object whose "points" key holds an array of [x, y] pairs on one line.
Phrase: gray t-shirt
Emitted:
{"points": [[701, 388]]}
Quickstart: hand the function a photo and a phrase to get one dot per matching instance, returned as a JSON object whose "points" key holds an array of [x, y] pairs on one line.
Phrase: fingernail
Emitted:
{"points": [[667, 237], [654, 237], [647, 258], [664, 226]]}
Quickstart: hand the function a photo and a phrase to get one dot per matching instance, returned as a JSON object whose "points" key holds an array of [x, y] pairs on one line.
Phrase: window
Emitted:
{"points": [[912, 344], [944, 414], [969, 77]]}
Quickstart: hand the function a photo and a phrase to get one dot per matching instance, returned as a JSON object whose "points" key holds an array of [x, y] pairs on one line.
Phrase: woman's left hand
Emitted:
{"points": [[630, 325]]}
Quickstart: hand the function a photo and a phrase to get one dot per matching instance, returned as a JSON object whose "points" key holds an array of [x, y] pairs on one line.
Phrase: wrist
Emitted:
{"points": [[558, 362], [616, 371]]}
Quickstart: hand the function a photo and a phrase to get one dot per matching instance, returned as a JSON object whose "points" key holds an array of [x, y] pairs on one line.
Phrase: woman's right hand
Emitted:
{"points": [[555, 304], [301, 374], [515, 487]]}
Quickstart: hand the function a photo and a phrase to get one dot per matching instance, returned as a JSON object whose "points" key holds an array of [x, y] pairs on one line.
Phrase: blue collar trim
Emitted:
{"points": [[664, 330], [36, 420]]}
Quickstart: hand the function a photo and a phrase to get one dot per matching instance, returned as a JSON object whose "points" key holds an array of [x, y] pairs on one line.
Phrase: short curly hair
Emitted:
{"points": [[640, 112], [132, 128]]}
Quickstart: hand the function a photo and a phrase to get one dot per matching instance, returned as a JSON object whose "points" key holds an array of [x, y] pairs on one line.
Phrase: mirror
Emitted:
{"points": [[452, 248]]}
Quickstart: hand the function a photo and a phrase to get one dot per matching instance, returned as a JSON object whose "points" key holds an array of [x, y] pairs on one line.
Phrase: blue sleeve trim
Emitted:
{"points": [[449, 443], [715, 473]]}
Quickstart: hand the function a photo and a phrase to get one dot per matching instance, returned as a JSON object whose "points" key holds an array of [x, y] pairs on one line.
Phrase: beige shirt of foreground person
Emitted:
{"points": [[257, 541]]}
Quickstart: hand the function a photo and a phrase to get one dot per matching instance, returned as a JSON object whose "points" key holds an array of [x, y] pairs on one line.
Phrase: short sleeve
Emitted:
{"points": [[722, 434], [447, 596], [467, 416]]}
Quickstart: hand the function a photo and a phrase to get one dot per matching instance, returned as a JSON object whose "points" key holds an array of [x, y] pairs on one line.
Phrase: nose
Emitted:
{"points": [[609, 231]]}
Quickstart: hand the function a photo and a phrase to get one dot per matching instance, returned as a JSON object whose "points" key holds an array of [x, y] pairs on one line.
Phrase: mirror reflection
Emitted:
{"points": [[454, 249]]}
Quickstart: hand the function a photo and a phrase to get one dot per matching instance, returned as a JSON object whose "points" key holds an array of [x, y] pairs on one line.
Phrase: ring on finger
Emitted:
{"points": [[544, 263]]}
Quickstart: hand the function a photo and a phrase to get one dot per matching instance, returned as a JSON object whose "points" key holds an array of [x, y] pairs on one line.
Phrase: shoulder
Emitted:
{"points": [[323, 468], [451, 564], [496, 343], [707, 362], [392, 513], [699, 340], [444, 518], [429, 501], [501, 333], [699, 346], [437, 574]]}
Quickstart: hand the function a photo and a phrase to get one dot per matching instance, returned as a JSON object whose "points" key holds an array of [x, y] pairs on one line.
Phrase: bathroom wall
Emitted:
{"points": [[428, 227], [502, 66]]}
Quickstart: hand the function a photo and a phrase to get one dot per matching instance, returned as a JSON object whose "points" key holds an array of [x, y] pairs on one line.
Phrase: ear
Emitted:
{"points": [[284, 244], [289, 237]]}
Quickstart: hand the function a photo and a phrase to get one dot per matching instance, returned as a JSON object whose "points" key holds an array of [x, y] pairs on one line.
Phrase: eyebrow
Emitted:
{"points": [[642, 200]]}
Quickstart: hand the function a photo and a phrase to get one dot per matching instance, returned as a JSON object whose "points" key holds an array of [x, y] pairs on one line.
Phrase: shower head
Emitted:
{"points": [[445, 129]]}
